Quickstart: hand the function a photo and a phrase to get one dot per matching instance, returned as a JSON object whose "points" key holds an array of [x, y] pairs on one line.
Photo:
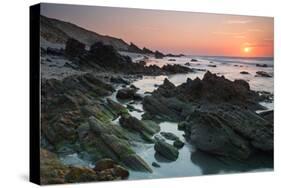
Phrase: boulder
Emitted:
{"points": [[244, 72], [263, 74], [230, 132], [104, 164], [155, 164], [261, 65], [193, 60], [173, 69], [178, 144], [166, 150], [127, 94]]}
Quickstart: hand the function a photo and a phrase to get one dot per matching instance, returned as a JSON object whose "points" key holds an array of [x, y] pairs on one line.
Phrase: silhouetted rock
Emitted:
{"points": [[244, 72], [158, 55], [263, 74], [74, 48], [261, 65]]}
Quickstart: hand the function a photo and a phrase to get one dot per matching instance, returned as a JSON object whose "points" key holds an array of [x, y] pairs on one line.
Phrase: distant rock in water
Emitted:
{"points": [[158, 55], [261, 65], [173, 69], [193, 60], [171, 59], [244, 72], [263, 74], [212, 65]]}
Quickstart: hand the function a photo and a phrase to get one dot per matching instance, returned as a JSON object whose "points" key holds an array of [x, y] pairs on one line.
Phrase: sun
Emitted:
{"points": [[247, 49]]}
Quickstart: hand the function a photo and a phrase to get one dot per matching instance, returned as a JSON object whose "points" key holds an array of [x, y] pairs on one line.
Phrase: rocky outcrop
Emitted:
{"points": [[263, 74], [128, 94], [76, 118], [145, 128], [229, 131], [173, 69], [166, 150], [52, 171], [218, 115], [158, 55]]}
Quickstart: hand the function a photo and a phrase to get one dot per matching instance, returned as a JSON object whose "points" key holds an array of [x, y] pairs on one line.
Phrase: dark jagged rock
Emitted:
{"points": [[166, 150], [155, 164], [178, 144], [135, 162], [119, 80], [74, 48], [263, 74], [244, 72], [134, 48], [218, 115], [268, 115], [193, 60], [212, 65], [173, 69], [147, 51], [261, 65], [158, 55], [229, 131], [171, 59], [127, 94], [145, 128]]}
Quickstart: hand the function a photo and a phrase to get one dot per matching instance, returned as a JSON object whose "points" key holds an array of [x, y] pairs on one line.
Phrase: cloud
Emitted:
{"points": [[238, 21], [254, 45]]}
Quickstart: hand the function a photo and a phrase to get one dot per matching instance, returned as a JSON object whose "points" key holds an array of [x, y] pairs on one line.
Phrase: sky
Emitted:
{"points": [[174, 31]]}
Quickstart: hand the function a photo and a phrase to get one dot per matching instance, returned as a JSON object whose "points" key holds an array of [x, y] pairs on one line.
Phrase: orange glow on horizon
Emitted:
{"points": [[175, 31]]}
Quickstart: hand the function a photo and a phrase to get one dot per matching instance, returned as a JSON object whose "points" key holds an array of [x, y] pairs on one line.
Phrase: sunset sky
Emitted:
{"points": [[174, 31]]}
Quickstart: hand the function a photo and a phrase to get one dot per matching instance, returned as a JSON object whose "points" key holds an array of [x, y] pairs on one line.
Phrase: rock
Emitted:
{"points": [[81, 174], [120, 171], [178, 144], [134, 48], [212, 65], [142, 127], [268, 115], [244, 72], [193, 60], [119, 80], [187, 64], [171, 59], [104, 164], [134, 162], [182, 125], [147, 51], [127, 94], [132, 108], [169, 136], [74, 48], [263, 74], [116, 107], [261, 65], [166, 150], [229, 131], [158, 55], [55, 51], [173, 69], [155, 164]]}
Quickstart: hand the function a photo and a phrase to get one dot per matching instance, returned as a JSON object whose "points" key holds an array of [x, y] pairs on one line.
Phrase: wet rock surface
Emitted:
{"points": [[218, 115]]}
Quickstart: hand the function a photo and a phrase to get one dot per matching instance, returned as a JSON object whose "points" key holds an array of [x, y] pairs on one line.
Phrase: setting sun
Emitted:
{"points": [[247, 49]]}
